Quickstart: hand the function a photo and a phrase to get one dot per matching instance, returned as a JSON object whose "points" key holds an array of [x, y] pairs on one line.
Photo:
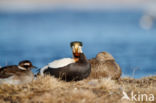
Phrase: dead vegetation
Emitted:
{"points": [[102, 90]]}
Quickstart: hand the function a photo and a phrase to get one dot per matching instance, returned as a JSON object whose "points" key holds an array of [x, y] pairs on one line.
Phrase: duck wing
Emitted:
{"points": [[57, 64], [8, 71]]}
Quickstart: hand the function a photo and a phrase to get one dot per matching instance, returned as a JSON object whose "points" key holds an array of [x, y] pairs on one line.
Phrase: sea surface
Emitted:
{"points": [[45, 36]]}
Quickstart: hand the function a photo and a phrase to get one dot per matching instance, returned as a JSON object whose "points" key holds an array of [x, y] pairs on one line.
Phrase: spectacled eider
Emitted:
{"points": [[104, 65], [69, 69], [17, 74]]}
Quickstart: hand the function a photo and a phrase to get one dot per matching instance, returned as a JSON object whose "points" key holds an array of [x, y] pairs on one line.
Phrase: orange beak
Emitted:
{"points": [[77, 54]]}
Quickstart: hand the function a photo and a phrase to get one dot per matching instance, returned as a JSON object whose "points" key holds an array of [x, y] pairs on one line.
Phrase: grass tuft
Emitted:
{"points": [[47, 89]]}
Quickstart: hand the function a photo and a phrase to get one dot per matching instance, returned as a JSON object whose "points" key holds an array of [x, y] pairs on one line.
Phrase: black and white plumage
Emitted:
{"points": [[17, 74], [69, 69]]}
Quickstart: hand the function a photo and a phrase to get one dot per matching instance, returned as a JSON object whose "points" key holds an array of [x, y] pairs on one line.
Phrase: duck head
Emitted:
{"points": [[104, 56], [76, 49], [25, 65]]}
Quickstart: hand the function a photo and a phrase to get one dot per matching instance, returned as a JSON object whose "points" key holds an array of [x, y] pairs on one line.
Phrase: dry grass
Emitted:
{"points": [[51, 90], [146, 85]]}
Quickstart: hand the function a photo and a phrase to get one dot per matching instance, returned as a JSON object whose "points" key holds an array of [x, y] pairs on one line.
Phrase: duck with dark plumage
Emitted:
{"points": [[69, 69]]}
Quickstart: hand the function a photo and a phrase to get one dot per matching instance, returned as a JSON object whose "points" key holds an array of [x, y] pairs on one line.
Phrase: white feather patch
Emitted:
{"points": [[16, 80], [61, 63], [9, 80], [57, 64], [22, 68], [27, 64], [43, 69]]}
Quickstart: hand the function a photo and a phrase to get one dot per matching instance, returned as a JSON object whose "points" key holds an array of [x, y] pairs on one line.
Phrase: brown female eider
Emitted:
{"points": [[69, 69], [17, 74], [104, 65]]}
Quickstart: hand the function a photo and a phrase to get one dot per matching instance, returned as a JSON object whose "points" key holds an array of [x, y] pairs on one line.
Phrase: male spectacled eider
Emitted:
{"points": [[70, 69], [17, 74], [104, 65]]}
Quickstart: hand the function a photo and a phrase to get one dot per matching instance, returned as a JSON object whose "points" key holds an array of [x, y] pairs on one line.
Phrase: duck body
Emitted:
{"points": [[73, 71], [104, 65], [15, 75]]}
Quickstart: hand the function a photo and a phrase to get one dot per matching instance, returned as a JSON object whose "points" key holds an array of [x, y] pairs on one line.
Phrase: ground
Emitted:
{"points": [[47, 89]]}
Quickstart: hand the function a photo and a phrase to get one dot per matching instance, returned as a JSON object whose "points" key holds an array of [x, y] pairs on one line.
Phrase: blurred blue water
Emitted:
{"points": [[45, 36]]}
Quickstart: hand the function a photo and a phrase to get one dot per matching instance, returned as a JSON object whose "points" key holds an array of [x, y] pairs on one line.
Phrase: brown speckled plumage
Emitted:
{"points": [[105, 66]]}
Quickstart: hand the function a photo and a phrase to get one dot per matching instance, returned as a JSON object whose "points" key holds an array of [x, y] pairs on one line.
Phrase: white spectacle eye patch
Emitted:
{"points": [[80, 49], [73, 48]]}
